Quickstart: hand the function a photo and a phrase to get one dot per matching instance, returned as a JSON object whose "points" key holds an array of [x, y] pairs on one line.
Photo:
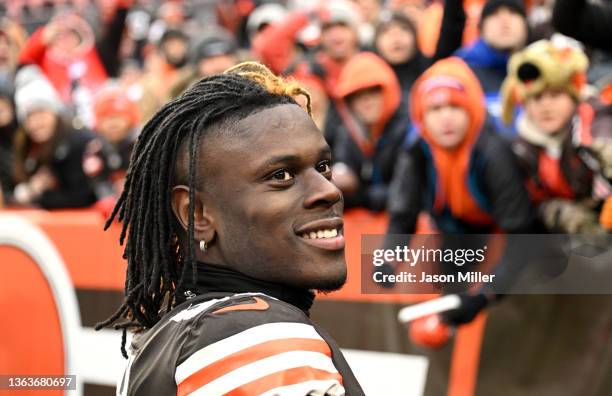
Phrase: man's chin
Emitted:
{"points": [[331, 284]]}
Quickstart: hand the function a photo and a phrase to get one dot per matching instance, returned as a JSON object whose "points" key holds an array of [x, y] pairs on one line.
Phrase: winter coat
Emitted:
{"points": [[574, 165], [99, 61], [370, 154], [474, 188], [106, 165], [588, 22], [490, 67], [65, 164]]}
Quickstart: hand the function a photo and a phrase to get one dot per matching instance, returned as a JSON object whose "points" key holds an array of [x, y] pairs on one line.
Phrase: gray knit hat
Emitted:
{"points": [[34, 92]]}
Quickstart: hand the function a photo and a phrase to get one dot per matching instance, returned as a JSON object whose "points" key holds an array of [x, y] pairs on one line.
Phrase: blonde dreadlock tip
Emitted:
{"points": [[274, 84]]}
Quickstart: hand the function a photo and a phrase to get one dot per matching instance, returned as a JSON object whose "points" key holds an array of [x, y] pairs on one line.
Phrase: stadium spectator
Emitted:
{"points": [[165, 63], [12, 38], [214, 54], [71, 57], [589, 22], [171, 15], [369, 14], [48, 153], [504, 30], [565, 142], [130, 79], [427, 17], [262, 17], [8, 128], [459, 170], [281, 34], [374, 127], [396, 42], [339, 41], [107, 156], [320, 100]]}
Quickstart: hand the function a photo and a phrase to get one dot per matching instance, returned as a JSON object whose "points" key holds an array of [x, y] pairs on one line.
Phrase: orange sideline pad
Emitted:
{"points": [[93, 257], [93, 260]]}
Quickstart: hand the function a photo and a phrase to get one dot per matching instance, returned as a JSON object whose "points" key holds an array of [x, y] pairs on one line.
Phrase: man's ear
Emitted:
{"points": [[203, 222]]}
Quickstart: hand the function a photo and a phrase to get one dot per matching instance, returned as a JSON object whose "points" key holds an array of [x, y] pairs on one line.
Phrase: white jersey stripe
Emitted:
{"points": [[194, 310], [264, 367], [245, 339], [191, 312], [311, 388]]}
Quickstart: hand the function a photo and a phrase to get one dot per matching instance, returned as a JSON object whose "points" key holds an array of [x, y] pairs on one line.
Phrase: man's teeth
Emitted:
{"points": [[330, 233]]}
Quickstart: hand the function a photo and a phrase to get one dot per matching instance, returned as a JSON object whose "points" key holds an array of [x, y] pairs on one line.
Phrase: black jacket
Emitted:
{"points": [[498, 183], [585, 21], [408, 72], [66, 164], [376, 171], [106, 164]]}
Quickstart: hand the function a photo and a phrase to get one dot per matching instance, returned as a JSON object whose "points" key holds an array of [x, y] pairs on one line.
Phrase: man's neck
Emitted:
{"points": [[213, 278]]}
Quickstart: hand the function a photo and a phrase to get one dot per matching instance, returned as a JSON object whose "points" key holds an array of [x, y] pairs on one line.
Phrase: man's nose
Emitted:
{"points": [[320, 191]]}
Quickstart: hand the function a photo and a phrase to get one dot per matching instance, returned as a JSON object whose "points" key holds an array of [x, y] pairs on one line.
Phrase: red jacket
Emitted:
{"points": [[275, 47], [57, 70]]}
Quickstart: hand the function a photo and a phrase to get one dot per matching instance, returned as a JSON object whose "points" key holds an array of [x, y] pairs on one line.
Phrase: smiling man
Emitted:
{"points": [[232, 224]]}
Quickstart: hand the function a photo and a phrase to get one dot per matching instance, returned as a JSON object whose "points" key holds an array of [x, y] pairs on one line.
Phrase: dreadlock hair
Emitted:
{"points": [[157, 260]]}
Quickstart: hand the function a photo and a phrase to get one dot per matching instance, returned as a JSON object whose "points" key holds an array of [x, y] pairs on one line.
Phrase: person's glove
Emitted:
{"points": [[603, 150], [471, 305], [565, 216]]}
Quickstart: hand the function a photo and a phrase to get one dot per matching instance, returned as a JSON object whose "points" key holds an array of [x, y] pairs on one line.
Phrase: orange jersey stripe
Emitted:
{"points": [[283, 378], [247, 356]]}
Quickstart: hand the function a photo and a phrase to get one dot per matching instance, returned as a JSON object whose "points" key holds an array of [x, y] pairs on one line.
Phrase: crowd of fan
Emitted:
{"points": [[487, 115]]}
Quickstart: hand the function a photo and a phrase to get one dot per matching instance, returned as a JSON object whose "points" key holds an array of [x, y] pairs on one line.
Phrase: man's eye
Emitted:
{"points": [[324, 166], [281, 175]]}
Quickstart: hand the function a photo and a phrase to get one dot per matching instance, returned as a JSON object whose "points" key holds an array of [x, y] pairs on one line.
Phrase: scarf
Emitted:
{"points": [[452, 166]]}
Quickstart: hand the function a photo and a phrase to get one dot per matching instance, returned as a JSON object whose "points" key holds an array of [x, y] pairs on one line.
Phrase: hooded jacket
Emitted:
{"points": [[475, 187], [372, 153]]}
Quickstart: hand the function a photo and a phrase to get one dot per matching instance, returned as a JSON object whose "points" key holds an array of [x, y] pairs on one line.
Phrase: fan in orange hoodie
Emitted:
{"points": [[459, 169], [374, 127], [464, 174]]}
